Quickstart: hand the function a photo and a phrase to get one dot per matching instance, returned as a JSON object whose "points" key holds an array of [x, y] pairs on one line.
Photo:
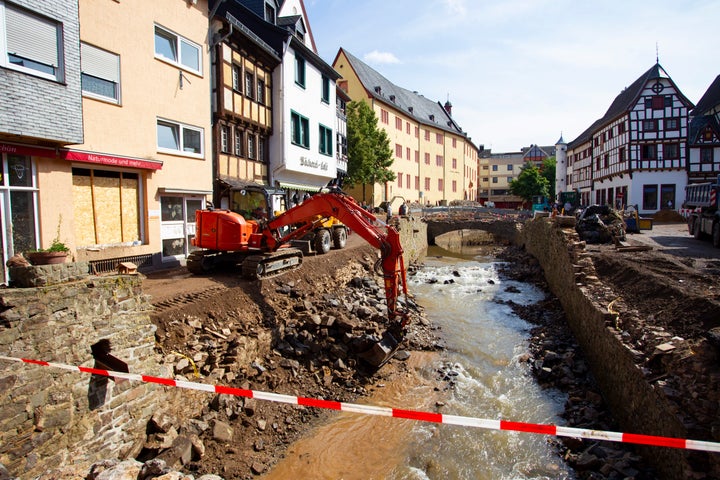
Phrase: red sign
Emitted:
{"points": [[27, 150], [113, 160]]}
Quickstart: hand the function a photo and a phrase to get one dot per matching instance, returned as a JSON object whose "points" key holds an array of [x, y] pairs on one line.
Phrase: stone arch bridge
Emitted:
{"points": [[504, 229]]}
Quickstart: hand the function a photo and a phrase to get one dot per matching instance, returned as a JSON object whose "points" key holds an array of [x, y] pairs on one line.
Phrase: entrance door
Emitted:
{"points": [[177, 225], [18, 207]]}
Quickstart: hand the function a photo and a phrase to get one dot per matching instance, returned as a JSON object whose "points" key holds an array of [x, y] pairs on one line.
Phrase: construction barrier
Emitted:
{"points": [[489, 424]]}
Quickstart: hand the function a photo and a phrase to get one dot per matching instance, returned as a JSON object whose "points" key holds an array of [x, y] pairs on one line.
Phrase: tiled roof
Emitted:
{"points": [[412, 104], [709, 100]]}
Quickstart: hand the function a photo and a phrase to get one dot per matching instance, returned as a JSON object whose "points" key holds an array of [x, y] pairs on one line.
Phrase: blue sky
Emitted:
{"points": [[521, 72]]}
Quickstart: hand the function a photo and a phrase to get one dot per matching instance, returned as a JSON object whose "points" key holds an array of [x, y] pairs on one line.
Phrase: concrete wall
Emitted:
{"points": [[635, 404]]}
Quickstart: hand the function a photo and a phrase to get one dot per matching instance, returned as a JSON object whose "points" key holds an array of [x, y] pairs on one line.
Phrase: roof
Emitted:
{"points": [[710, 100], [626, 101], [412, 104]]}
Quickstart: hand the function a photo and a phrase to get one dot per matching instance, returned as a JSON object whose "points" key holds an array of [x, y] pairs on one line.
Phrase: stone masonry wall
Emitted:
{"points": [[52, 417], [635, 404]]}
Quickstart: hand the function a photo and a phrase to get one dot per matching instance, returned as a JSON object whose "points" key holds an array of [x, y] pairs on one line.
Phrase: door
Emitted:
{"points": [[177, 225], [18, 208]]}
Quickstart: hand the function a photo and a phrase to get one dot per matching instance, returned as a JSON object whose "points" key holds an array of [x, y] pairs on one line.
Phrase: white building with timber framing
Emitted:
{"points": [[636, 154]]}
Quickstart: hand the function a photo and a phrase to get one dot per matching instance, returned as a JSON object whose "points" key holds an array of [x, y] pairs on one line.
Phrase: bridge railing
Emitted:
{"points": [[461, 212]]}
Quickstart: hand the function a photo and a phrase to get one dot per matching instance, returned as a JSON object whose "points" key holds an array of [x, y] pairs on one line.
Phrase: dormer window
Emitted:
{"points": [[432, 118], [378, 90], [270, 14], [392, 98]]}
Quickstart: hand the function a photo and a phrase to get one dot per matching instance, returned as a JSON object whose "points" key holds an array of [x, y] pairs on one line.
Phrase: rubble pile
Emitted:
{"points": [[600, 224]]}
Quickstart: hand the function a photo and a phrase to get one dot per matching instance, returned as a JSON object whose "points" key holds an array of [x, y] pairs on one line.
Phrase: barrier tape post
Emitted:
{"points": [[488, 424]]}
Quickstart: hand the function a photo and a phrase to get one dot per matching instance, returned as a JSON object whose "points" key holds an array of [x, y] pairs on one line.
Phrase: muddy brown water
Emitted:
{"points": [[479, 375]]}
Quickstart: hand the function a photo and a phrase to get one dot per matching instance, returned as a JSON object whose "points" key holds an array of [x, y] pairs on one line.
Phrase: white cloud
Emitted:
{"points": [[456, 6], [380, 57]]}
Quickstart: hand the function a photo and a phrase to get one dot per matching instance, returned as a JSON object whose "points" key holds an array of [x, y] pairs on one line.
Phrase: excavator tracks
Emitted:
{"points": [[269, 265]]}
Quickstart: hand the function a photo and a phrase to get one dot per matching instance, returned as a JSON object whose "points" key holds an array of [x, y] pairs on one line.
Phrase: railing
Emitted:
{"points": [[109, 265]]}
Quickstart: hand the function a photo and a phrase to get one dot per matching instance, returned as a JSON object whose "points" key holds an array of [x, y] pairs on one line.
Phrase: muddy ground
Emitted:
{"points": [[661, 298]]}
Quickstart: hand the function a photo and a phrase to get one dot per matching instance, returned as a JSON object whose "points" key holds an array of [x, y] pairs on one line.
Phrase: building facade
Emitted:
{"points": [[435, 162], [704, 137], [104, 127], [636, 154]]}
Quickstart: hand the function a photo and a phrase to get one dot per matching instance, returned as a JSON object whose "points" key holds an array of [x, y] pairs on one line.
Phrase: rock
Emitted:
{"points": [[249, 406], [258, 468], [125, 470], [198, 447], [161, 422], [180, 452], [222, 432], [210, 477], [153, 468]]}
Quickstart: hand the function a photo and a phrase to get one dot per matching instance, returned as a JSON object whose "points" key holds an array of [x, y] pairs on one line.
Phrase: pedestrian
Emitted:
{"points": [[403, 209], [389, 213]]}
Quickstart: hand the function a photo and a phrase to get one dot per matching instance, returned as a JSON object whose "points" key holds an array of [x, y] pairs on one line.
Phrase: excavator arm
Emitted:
{"points": [[337, 204]]}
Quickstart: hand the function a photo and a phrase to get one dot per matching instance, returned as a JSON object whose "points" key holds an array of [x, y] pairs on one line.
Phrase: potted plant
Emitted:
{"points": [[57, 252]]}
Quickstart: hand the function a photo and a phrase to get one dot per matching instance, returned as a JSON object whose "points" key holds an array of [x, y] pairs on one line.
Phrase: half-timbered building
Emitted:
{"points": [[636, 154], [704, 137]]}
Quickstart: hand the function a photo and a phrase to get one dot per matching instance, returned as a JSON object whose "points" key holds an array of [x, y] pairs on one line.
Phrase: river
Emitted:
{"points": [[478, 375]]}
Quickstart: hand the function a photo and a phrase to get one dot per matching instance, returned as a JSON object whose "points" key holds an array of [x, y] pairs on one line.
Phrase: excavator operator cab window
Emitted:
{"points": [[250, 204]]}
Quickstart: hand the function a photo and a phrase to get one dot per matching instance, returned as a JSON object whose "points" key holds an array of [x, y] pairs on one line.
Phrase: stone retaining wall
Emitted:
{"points": [[53, 417], [634, 402]]}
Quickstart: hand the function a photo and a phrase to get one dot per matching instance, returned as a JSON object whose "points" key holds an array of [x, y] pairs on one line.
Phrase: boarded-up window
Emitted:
{"points": [[106, 206]]}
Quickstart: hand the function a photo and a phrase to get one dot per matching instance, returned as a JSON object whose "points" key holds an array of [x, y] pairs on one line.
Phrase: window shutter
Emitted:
{"points": [[99, 63], [31, 37]]}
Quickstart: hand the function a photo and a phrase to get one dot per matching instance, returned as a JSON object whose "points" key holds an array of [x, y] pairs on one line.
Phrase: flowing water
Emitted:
{"points": [[465, 297]]}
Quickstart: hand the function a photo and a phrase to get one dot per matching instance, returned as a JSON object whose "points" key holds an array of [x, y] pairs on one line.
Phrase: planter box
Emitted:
{"points": [[46, 258]]}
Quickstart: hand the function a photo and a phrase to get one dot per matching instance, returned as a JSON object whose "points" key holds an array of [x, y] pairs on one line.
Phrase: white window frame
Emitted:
{"points": [[180, 129], [102, 64], [177, 59], [35, 48]]}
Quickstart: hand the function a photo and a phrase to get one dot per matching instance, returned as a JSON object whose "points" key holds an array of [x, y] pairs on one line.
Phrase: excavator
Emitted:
{"points": [[262, 247]]}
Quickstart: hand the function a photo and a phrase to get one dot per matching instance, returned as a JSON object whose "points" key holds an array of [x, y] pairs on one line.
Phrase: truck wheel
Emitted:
{"points": [[322, 241], [716, 235], [339, 237], [696, 228]]}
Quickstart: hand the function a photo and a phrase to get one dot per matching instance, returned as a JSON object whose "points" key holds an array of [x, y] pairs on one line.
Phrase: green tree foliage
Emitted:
{"points": [[548, 171], [529, 183], [369, 153]]}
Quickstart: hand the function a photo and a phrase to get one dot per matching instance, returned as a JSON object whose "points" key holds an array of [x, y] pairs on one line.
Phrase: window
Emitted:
{"points": [[33, 43], [510, 167], [439, 160], [649, 125], [249, 84], [175, 137], [262, 142], [440, 184], [494, 168], [398, 150], [621, 127], [224, 134], [650, 197], [427, 135], [407, 153], [117, 212], [384, 116], [495, 179], [417, 182], [407, 180], [621, 154], [427, 184], [706, 155], [252, 146], [238, 142], [454, 142], [326, 140], [269, 14], [606, 160], [398, 123], [400, 179], [407, 128], [671, 151], [417, 132], [100, 73], [454, 163], [648, 152], [178, 50], [417, 156], [237, 78], [325, 89], [300, 128], [438, 138], [300, 71], [18, 193], [427, 159], [672, 124], [260, 98], [454, 186]]}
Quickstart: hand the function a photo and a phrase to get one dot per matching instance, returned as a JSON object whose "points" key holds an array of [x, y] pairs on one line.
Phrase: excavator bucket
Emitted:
{"points": [[381, 352]]}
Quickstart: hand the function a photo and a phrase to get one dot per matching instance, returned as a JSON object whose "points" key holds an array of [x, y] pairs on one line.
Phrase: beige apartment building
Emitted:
{"points": [[109, 128], [435, 161]]}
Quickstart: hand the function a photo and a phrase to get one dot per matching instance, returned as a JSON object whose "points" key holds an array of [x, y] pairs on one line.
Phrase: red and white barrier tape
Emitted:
{"points": [[545, 429]]}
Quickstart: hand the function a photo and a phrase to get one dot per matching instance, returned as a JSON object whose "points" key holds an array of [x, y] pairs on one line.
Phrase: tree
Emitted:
{"points": [[548, 171], [529, 183], [369, 153]]}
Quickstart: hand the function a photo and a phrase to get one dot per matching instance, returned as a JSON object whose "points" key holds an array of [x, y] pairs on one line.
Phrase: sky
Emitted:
{"points": [[522, 72]]}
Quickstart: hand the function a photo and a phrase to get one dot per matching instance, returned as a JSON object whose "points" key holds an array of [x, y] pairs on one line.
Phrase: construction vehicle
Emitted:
{"points": [[704, 217], [262, 248], [255, 201], [540, 203]]}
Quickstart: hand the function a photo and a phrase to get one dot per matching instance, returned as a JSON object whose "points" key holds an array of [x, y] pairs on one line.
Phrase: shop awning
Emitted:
{"points": [[184, 191], [300, 186], [112, 160]]}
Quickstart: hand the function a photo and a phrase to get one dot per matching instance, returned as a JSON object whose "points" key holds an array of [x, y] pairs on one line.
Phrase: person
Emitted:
{"points": [[403, 209], [389, 213], [295, 200]]}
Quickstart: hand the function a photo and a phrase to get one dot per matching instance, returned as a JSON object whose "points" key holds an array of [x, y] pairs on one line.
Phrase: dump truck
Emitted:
{"points": [[704, 217]]}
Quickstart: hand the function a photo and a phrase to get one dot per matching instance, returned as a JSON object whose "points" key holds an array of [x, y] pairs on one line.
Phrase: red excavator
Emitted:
{"points": [[262, 247]]}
